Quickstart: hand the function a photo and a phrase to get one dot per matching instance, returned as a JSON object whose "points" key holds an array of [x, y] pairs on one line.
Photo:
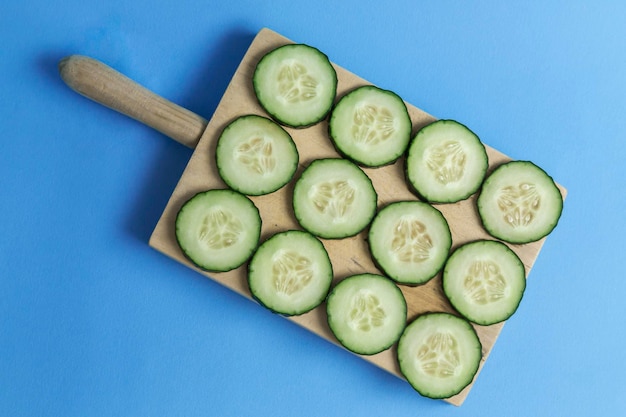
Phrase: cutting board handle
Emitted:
{"points": [[103, 84]]}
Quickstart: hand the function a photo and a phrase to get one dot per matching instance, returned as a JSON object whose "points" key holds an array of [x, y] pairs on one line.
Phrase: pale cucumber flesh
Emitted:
{"points": [[255, 155], [366, 313], [519, 203], [446, 162], [333, 198], [290, 273], [218, 230], [370, 126], [296, 84], [439, 354], [484, 281], [410, 241]]}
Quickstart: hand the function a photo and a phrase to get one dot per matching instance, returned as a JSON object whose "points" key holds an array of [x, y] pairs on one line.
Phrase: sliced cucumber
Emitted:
{"points": [[370, 126], [519, 203], [366, 313], [255, 155], [296, 84], [334, 198], [410, 241], [484, 281], [439, 354], [290, 273], [446, 162], [218, 230]]}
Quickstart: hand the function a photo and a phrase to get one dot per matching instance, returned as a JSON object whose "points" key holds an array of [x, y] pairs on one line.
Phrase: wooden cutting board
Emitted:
{"points": [[348, 256]]}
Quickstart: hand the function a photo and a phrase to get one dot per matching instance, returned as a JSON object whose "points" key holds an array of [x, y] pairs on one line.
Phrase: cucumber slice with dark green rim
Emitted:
{"points": [[366, 313], [255, 155], [370, 126], [410, 241], [439, 354], [446, 162], [218, 230], [334, 198], [484, 281], [296, 84], [519, 203], [290, 273]]}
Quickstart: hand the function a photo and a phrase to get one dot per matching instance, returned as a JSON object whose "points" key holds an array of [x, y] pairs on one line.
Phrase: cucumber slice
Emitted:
{"points": [[290, 273], [255, 155], [366, 313], [334, 198], [439, 354], [410, 241], [370, 126], [296, 84], [446, 162], [519, 203], [218, 230], [484, 281]]}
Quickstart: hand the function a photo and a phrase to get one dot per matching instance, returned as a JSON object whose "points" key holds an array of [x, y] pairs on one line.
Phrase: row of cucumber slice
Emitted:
{"points": [[290, 273]]}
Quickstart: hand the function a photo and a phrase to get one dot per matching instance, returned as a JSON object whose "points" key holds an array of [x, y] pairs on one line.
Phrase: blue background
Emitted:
{"points": [[93, 322]]}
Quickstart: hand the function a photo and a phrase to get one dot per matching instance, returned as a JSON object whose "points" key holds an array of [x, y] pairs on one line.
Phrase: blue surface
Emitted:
{"points": [[93, 322]]}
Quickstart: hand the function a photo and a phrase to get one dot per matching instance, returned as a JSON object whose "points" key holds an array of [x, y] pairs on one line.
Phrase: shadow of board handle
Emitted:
{"points": [[101, 83]]}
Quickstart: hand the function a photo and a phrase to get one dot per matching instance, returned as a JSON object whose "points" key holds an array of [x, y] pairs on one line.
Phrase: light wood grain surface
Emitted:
{"points": [[101, 83], [348, 256]]}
